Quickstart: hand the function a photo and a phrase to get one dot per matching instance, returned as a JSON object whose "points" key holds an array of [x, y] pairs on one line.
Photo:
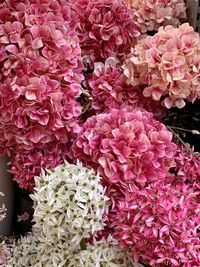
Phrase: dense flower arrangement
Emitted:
{"points": [[168, 64], [106, 28], [108, 89], [69, 203], [79, 82], [40, 73], [158, 224], [151, 14], [126, 146], [187, 165]]}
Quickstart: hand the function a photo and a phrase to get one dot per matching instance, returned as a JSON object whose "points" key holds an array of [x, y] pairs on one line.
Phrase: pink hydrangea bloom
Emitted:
{"points": [[109, 89], [40, 77], [158, 224], [151, 14], [126, 146], [106, 28], [27, 164], [168, 64], [35, 111], [39, 37]]}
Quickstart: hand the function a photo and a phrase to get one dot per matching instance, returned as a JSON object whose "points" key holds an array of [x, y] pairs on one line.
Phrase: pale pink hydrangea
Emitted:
{"points": [[35, 111], [168, 65], [106, 28], [126, 146], [25, 165], [151, 14], [40, 77], [108, 88], [158, 224]]}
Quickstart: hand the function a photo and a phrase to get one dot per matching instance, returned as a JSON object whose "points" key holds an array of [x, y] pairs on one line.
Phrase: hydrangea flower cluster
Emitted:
{"points": [[106, 28], [69, 203], [168, 65], [24, 165], [151, 14], [40, 73], [64, 95], [159, 224], [108, 88], [126, 146]]}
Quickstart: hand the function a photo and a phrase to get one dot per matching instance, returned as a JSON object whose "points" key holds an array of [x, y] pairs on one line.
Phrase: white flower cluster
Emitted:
{"points": [[33, 253], [69, 203], [70, 199], [102, 254]]}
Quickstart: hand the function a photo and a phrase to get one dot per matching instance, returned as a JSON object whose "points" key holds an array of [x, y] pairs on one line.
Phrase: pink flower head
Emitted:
{"points": [[35, 111], [108, 87], [41, 35], [167, 65], [27, 164], [158, 224], [188, 166], [126, 146], [40, 77], [106, 28], [151, 14]]}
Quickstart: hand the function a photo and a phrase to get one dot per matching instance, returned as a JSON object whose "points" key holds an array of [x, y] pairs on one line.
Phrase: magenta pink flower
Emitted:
{"points": [[158, 224], [36, 111], [167, 65], [126, 146], [27, 164], [151, 14], [188, 166], [106, 28]]}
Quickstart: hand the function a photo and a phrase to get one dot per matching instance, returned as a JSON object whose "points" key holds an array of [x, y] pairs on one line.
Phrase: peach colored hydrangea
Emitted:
{"points": [[168, 65], [151, 14]]}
